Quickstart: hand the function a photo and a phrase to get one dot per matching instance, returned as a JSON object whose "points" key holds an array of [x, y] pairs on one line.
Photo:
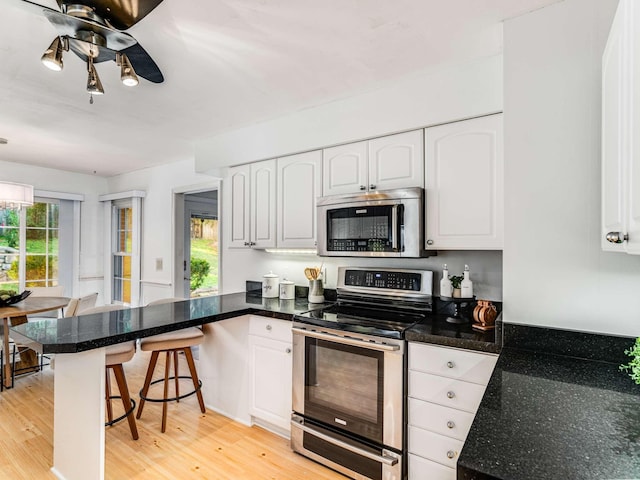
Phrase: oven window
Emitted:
{"points": [[344, 387]]}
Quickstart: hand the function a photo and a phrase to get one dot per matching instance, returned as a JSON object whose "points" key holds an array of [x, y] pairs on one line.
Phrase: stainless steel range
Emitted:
{"points": [[349, 375]]}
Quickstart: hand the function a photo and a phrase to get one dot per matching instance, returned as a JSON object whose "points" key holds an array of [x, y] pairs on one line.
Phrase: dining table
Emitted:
{"points": [[16, 314]]}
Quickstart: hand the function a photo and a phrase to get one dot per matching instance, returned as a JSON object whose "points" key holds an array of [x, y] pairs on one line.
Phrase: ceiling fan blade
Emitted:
{"points": [[143, 64], [121, 14]]}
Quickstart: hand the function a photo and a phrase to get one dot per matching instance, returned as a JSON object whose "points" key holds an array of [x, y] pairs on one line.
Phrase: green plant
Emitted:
{"points": [[199, 271], [633, 367], [456, 280]]}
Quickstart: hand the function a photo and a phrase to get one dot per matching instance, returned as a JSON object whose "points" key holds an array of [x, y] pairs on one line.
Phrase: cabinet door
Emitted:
{"points": [[396, 161], [633, 186], [239, 200], [464, 182], [344, 169], [299, 184], [263, 204], [271, 369], [613, 131]]}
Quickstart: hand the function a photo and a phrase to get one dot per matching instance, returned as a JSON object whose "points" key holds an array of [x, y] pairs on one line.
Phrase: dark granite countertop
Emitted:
{"points": [[435, 329], [546, 416], [86, 332]]}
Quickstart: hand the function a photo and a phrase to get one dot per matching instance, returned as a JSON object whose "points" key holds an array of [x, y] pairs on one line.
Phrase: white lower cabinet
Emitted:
{"points": [[270, 372], [446, 386]]}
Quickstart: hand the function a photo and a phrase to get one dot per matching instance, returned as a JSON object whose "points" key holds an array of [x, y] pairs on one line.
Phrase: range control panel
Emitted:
{"points": [[384, 279]]}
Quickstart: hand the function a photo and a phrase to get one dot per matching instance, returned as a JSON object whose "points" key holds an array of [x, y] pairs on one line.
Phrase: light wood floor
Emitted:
{"points": [[207, 446]]}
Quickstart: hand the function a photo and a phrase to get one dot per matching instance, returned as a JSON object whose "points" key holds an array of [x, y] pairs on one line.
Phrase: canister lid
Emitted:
{"points": [[270, 275]]}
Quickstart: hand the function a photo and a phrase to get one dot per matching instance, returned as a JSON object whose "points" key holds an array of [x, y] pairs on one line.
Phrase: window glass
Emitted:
{"points": [[9, 249], [123, 220]]}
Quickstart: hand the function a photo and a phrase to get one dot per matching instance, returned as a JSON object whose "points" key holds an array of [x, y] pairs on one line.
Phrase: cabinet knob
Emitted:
{"points": [[450, 394], [252, 243], [372, 187], [617, 237], [288, 350], [450, 424], [269, 327], [363, 187], [246, 244], [451, 454], [450, 364], [429, 242]]}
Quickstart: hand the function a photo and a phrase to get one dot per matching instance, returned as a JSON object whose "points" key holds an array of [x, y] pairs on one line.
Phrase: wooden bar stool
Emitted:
{"points": [[115, 356], [171, 343]]}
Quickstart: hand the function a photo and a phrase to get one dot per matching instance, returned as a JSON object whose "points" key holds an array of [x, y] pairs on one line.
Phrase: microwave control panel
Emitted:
{"points": [[383, 279], [360, 245]]}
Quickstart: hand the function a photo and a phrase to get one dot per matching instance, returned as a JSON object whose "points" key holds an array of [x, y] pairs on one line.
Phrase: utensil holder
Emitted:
{"points": [[316, 291]]}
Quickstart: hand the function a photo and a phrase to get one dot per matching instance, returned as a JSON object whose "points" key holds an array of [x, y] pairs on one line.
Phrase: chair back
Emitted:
{"points": [[102, 309], [86, 302]]}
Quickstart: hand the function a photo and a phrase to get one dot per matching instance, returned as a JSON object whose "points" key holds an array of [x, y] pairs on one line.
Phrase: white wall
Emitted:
{"points": [[423, 99], [160, 184], [91, 245], [554, 271]]}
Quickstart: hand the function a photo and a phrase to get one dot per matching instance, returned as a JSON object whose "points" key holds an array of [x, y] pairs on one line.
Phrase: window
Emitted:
{"points": [[29, 247], [123, 215]]}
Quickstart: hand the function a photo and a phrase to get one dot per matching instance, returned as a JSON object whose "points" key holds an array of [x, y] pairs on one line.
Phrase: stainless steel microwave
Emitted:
{"points": [[379, 224]]}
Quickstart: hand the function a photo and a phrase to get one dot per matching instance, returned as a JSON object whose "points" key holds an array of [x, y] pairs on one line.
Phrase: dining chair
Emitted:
{"points": [[78, 305], [115, 356], [172, 343]]}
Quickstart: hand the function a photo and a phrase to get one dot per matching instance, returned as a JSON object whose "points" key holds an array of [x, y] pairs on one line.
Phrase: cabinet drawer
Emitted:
{"points": [[273, 328], [423, 469], [445, 391], [432, 446], [436, 418], [452, 362]]}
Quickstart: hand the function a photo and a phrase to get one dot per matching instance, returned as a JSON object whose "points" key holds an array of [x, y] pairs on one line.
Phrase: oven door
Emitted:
{"points": [[351, 384]]}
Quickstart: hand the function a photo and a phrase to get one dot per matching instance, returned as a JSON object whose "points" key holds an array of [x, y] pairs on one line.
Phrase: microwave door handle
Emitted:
{"points": [[394, 228]]}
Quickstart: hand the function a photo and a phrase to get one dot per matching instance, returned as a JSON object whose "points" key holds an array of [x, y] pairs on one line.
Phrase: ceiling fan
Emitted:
{"points": [[94, 31]]}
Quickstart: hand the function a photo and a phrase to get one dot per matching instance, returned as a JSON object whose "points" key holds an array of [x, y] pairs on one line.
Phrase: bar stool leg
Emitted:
{"points": [[121, 380], [175, 373], [107, 383], [167, 369], [147, 381], [194, 377]]}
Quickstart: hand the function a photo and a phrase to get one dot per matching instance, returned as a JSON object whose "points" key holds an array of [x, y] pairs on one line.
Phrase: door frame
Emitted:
{"points": [[179, 225]]}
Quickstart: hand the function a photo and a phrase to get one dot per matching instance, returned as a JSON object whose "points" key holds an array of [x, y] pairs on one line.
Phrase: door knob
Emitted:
{"points": [[617, 237]]}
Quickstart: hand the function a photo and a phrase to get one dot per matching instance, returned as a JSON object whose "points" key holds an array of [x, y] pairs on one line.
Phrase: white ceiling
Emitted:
{"points": [[227, 64]]}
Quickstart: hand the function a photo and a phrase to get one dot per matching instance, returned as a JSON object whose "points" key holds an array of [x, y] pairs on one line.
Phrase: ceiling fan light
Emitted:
{"points": [[94, 85], [127, 73], [52, 57]]}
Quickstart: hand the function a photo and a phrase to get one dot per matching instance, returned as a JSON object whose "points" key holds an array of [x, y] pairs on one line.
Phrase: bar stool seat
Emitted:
{"points": [[172, 343]]}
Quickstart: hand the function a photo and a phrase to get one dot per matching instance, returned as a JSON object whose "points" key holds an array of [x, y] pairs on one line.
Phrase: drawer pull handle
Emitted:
{"points": [[450, 424], [451, 454], [269, 327], [450, 364], [450, 394]]}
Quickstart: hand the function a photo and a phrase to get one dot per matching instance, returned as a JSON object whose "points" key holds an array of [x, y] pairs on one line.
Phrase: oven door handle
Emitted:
{"points": [[387, 460], [347, 340]]}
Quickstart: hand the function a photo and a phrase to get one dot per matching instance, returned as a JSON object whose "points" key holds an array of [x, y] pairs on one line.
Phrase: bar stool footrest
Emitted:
{"points": [[173, 399], [123, 416]]}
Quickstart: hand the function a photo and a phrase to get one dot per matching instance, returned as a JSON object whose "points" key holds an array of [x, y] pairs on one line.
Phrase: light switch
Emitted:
{"points": [[159, 264]]}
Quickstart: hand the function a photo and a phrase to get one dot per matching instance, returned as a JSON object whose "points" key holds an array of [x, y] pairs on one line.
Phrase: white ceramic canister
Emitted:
{"points": [[270, 285], [287, 290]]}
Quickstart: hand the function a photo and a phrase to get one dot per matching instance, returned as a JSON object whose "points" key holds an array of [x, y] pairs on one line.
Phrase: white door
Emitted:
{"points": [[396, 161], [464, 172], [344, 169], [238, 196], [263, 204], [299, 184], [613, 131]]}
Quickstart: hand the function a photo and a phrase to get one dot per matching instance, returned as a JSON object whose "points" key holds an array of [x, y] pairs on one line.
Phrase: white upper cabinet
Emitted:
{"points": [[620, 141], [344, 169], [394, 161], [252, 192], [464, 185], [299, 184]]}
